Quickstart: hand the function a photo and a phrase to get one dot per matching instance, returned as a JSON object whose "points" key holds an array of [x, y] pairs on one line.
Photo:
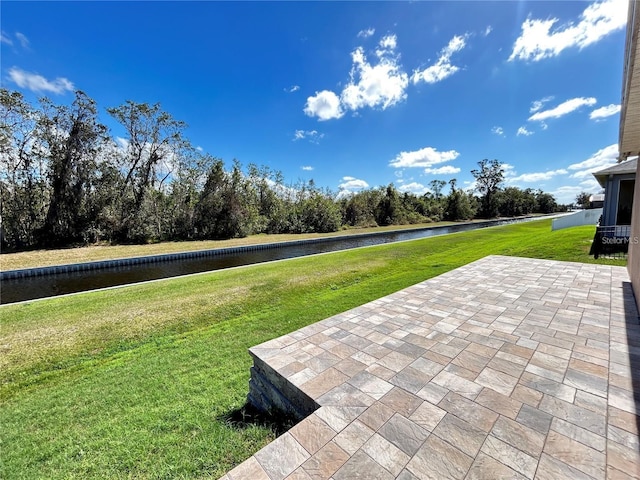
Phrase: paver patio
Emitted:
{"points": [[504, 368]]}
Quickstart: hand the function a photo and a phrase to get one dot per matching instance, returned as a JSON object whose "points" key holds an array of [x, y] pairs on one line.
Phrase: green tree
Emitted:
{"points": [[154, 141], [73, 138], [488, 177], [582, 199]]}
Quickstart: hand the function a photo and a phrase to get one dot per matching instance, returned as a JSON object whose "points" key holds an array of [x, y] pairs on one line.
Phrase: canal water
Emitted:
{"points": [[30, 288]]}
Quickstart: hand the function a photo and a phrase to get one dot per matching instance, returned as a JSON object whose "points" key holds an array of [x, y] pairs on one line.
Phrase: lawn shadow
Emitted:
{"points": [[248, 416]]}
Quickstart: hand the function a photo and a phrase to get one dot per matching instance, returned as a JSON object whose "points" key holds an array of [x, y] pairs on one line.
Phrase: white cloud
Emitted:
{"points": [[444, 170], [414, 187], [488, 30], [509, 170], [325, 105], [538, 176], [498, 131], [602, 158], [443, 67], [350, 185], [4, 38], [563, 109], [24, 41], [199, 148], [425, 157], [539, 39], [292, 88], [524, 131], [37, 83], [366, 33], [538, 104], [604, 112], [312, 135], [382, 85], [307, 168]]}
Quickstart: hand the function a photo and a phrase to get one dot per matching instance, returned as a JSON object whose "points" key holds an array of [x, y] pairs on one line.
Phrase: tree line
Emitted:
{"points": [[65, 181]]}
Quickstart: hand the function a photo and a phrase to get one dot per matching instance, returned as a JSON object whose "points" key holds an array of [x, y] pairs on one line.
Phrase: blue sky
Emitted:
{"points": [[352, 95]]}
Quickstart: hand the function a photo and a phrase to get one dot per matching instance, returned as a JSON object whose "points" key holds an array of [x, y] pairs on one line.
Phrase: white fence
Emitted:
{"points": [[581, 217]]}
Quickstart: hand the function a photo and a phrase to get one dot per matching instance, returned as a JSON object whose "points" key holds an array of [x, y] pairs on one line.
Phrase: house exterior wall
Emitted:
{"points": [[633, 263]]}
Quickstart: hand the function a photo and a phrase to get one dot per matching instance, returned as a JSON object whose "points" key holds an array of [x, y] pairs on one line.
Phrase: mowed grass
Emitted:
{"points": [[138, 382]]}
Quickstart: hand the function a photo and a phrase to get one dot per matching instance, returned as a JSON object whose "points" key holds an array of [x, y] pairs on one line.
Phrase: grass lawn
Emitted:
{"points": [[138, 382]]}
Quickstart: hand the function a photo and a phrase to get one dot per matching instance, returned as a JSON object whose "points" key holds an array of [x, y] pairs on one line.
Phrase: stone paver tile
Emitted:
{"points": [[281, 457], [386, 454], [499, 403], [350, 366], [395, 361], [623, 458], [555, 351], [345, 395], [427, 366], [377, 351], [353, 437], [406, 475], [299, 474], [323, 382], [510, 456], [438, 358], [380, 371], [485, 467], [470, 361], [577, 415], [523, 352], [586, 382], [312, 433], [527, 395], [590, 368], [615, 474], [624, 420], [438, 460], [362, 466], [507, 366], [457, 384], [471, 412], [621, 399], [551, 468], [482, 350], [549, 361], [248, 469], [432, 393], [428, 416], [370, 384], [376, 415], [464, 436], [591, 402], [461, 372], [339, 417], [411, 379], [519, 436], [498, 381], [579, 434], [550, 387], [401, 401], [576, 454], [325, 462], [405, 434]]}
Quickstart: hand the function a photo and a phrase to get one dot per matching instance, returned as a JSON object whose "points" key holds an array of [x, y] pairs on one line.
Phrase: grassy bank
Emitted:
{"points": [[138, 382], [64, 256]]}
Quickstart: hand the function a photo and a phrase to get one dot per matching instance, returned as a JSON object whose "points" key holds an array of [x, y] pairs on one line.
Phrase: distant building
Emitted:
{"points": [[618, 182], [596, 200]]}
